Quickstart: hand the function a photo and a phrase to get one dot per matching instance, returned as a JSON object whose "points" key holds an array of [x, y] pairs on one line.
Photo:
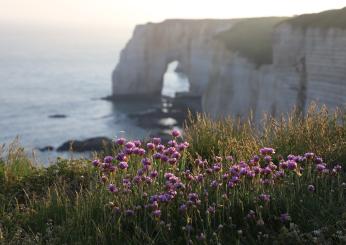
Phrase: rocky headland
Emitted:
{"points": [[241, 65]]}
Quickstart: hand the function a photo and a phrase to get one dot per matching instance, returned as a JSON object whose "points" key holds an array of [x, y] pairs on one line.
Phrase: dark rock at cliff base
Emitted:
{"points": [[57, 116], [92, 144], [134, 98], [46, 148], [156, 119], [169, 113]]}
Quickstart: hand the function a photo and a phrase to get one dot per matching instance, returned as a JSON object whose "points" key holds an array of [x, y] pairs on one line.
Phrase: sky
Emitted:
{"points": [[127, 13]]}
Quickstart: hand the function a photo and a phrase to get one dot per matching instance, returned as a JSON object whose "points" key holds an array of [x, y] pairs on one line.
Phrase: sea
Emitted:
{"points": [[52, 81]]}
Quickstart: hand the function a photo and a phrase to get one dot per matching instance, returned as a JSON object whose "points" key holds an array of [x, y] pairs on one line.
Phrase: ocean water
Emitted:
{"points": [[47, 71]]}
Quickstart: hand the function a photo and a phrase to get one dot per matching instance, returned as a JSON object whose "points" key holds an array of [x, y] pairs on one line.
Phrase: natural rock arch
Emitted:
{"points": [[174, 80], [152, 47]]}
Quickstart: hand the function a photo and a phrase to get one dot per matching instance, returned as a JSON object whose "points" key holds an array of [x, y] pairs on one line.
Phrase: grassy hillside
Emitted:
{"points": [[327, 19], [252, 38], [219, 188]]}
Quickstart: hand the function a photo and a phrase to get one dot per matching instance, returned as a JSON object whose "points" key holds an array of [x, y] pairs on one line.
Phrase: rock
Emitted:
{"points": [[168, 113], [92, 144], [46, 148], [306, 63], [57, 116], [152, 47]]}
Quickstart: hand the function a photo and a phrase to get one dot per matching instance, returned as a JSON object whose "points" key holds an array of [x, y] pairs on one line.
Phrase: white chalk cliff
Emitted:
{"points": [[152, 47], [309, 64]]}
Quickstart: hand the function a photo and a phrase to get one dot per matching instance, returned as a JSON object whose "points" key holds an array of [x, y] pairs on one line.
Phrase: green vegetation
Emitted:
{"points": [[327, 19], [318, 131], [252, 38], [204, 197]]}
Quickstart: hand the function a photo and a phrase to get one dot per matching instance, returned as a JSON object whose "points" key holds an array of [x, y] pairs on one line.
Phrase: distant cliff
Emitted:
{"points": [[242, 65], [308, 64], [152, 47]]}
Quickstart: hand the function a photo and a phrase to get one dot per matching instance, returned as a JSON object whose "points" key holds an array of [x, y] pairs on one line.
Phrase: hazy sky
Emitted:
{"points": [[127, 13]]}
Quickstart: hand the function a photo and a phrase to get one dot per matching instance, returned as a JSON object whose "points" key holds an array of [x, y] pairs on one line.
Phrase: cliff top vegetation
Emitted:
{"points": [[252, 38], [328, 19]]}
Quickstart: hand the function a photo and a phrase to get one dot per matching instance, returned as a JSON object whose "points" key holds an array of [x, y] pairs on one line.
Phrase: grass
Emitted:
{"points": [[67, 203], [319, 131]]}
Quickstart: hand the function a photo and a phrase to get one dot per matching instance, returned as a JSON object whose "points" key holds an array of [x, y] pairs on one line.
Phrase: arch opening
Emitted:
{"points": [[174, 81]]}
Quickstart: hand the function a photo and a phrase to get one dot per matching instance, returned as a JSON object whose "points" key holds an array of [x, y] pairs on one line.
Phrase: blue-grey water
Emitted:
{"points": [[46, 71]]}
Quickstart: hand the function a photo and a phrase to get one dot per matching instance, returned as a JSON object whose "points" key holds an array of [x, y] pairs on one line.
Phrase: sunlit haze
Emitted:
{"points": [[130, 12]]}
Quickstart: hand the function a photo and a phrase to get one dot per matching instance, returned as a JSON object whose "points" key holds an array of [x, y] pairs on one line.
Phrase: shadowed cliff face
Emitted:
{"points": [[152, 47], [311, 64]]}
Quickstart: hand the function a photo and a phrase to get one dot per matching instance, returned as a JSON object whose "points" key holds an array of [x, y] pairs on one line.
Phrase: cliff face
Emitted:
{"points": [[313, 62], [152, 47], [308, 65], [238, 87], [305, 63]]}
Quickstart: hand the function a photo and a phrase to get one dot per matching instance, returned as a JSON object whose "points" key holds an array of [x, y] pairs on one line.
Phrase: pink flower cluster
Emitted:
{"points": [[162, 175]]}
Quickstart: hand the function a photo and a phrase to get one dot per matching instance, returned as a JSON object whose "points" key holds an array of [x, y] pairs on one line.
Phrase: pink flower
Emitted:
{"points": [[311, 188], [183, 208], [320, 167], [153, 174], [120, 141], [130, 145], [229, 158], [175, 133], [264, 197], [284, 218], [146, 161], [123, 165], [267, 151], [176, 155], [96, 163], [112, 188], [108, 159], [172, 161], [157, 156], [291, 165], [157, 213], [160, 148], [151, 146], [214, 184], [156, 141], [104, 178]]}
